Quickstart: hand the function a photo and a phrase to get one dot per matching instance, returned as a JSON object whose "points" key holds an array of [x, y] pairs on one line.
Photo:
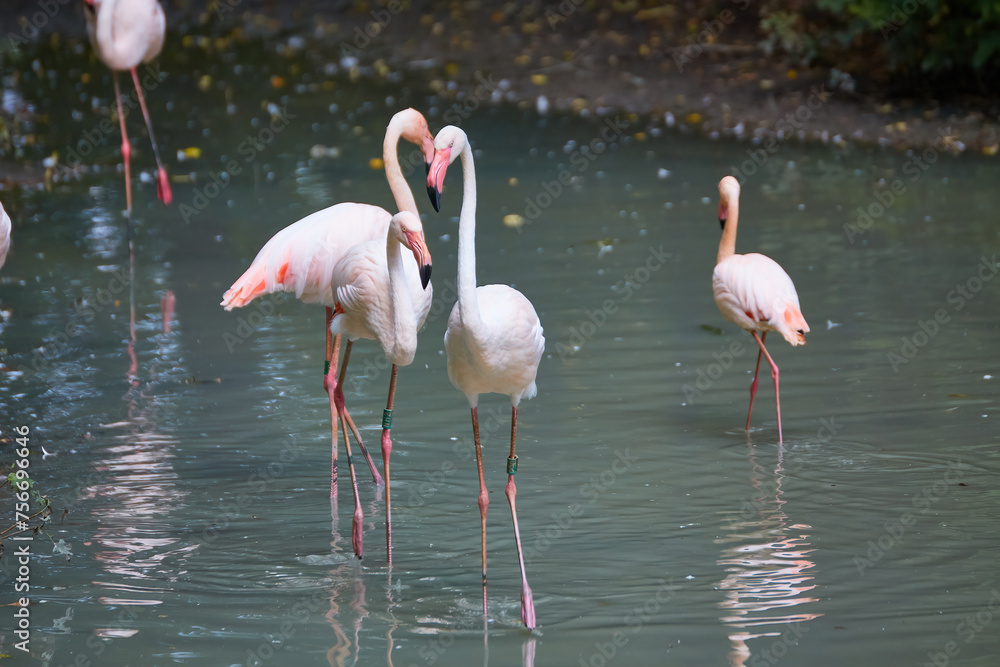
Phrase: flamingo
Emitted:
{"points": [[301, 258], [494, 338], [125, 33], [374, 302], [754, 292], [4, 235]]}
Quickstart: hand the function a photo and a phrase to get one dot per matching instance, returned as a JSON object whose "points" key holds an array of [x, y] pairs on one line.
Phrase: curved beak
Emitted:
{"points": [[422, 255], [435, 176], [723, 213]]}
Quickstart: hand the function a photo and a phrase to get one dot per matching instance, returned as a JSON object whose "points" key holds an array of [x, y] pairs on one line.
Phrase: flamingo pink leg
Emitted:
{"points": [[330, 384], [126, 147], [774, 376], [357, 526], [386, 452], [753, 385], [162, 183], [527, 601], [338, 397], [484, 498]]}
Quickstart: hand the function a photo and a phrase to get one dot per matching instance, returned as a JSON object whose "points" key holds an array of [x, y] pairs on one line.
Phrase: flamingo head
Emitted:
{"points": [[408, 230], [729, 195], [448, 145], [415, 130]]}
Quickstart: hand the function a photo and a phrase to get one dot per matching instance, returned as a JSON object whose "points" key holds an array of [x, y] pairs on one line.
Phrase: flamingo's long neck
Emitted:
{"points": [[467, 302], [390, 157], [727, 246], [403, 346]]}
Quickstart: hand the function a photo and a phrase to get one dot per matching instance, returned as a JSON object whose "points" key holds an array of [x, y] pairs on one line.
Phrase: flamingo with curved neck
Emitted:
{"points": [[494, 339], [374, 302], [301, 257]]}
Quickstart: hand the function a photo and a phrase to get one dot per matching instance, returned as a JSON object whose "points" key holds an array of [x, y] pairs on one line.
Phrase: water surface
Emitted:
{"points": [[656, 530]]}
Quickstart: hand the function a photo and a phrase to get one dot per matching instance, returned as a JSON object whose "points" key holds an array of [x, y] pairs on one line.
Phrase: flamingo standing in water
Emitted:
{"points": [[301, 258], [4, 235], [125, 33], [754, 292], [494, 339]]}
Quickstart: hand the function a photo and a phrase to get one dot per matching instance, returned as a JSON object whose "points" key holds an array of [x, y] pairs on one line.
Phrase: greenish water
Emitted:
{"points": [[656, 531]]}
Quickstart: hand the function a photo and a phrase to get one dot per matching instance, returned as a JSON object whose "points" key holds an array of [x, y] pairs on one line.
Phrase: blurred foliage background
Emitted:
{"points": [[937, 47]]}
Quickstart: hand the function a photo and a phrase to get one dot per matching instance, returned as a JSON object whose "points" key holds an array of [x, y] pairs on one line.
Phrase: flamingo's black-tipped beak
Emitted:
{"points": [[435, 195], [421, 254], [723, 213], [435, 176]]}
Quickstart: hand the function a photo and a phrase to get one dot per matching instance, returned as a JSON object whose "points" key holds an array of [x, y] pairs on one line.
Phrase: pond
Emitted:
{"points": [[188, 468]]}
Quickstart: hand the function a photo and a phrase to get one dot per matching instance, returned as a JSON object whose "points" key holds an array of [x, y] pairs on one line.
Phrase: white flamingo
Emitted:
{"points": [[4, 235], [374, 302], [125, 33], [754, 292], [301, 259], [494, 339]]}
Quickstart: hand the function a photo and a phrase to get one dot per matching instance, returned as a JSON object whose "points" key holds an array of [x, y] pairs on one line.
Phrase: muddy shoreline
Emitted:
{"points": [[717, 82]]}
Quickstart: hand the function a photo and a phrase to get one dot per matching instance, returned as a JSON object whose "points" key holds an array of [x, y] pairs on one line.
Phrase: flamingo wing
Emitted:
{"points": [[301, 257], [754, 292]]}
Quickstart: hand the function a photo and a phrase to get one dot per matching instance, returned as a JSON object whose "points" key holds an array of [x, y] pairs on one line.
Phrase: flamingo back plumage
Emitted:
{"points": [[300, 258], [754, 292], [500, 353]]}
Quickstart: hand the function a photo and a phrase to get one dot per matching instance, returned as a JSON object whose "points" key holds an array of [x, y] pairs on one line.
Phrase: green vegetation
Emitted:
{"points": [[940, 46]]}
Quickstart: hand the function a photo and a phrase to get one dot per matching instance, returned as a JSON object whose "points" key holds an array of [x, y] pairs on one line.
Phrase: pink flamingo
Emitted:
{"points": [[494, 339], [754, 292], [301, 258], [125, 33], [4, 235]]}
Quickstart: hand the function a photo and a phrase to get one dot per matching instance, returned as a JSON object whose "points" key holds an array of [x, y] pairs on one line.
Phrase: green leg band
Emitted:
{"points": [[386, 419], [326, 368], [511, 465]]}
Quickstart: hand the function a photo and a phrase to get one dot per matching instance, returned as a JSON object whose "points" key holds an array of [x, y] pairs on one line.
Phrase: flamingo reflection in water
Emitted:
{"points": [[769, 568]]}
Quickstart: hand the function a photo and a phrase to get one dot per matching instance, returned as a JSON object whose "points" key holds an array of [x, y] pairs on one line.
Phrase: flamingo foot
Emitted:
{"points": [[527, 606]]}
